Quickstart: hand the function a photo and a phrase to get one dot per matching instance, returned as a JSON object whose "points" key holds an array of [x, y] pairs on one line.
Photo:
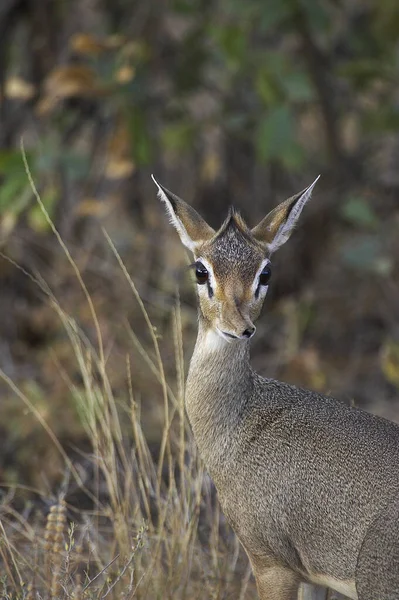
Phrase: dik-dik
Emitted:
{"points": [[309, 484]]}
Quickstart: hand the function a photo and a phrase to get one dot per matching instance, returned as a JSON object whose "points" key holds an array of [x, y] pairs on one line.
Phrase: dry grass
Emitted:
{"points": [[153, 529]]}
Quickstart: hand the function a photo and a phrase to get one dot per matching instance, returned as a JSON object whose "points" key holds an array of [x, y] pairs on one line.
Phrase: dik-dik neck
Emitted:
{"points": [[219, 384]]}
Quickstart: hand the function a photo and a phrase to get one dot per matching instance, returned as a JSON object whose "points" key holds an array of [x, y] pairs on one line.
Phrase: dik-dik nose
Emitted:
{"points": [[249, 332]]}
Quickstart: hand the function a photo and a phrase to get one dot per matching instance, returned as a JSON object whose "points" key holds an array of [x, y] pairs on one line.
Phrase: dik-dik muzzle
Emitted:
{"points": [[234, 322]]}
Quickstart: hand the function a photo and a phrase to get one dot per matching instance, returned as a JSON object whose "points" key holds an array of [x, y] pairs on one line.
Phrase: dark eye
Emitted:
{"points": [[264, 277], [201, 273]]}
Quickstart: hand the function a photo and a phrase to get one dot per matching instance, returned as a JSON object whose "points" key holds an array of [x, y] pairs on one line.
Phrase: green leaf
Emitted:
{"points": [[275, 134], [10, 190], [11, 162], [178, 136], [265, 85], [298, 87], [366, 253], [359, 212], [294, 156], [141, 143], [232, 40]]}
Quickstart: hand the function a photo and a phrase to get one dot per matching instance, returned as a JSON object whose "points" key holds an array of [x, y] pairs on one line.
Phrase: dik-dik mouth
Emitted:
{"points": [[246, 335]]}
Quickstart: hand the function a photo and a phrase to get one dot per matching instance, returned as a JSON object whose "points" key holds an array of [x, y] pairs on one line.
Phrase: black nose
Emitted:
{"points": [[248, 332]]}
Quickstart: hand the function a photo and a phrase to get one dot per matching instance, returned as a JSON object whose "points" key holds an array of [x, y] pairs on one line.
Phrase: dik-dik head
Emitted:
{"points": [[232, 265]]}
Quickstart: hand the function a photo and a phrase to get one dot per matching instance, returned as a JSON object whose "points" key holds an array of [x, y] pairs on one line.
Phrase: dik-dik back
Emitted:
{"points": [[310, 485]]}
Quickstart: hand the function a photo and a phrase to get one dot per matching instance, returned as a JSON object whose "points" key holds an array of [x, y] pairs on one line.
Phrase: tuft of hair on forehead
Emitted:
{"points": [[233, 247], [234, 222]]}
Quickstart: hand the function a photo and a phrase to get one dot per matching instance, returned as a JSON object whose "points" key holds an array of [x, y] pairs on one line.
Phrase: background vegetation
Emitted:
{"points": [[227, 102]]}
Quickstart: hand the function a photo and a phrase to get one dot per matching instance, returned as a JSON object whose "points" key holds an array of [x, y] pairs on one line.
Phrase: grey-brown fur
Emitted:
{"points": [[309, 484]]}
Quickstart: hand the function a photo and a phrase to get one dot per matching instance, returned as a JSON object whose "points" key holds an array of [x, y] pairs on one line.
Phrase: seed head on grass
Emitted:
{"points": [[55, 530]]}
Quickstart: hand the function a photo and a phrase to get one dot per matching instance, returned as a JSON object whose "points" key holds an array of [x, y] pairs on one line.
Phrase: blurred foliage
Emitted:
{"points": [[266, 72], [264, 65]]}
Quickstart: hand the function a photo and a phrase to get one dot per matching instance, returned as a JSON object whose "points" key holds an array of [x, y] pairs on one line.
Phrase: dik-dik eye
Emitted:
{"points": [[201, 273], [265, 275]]}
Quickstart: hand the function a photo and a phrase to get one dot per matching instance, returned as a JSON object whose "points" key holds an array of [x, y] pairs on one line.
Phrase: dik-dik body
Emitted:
{"points": [[310, 485]]}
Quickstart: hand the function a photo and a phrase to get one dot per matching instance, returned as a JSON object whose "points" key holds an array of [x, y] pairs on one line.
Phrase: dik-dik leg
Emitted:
{"points": [[277, 583]]}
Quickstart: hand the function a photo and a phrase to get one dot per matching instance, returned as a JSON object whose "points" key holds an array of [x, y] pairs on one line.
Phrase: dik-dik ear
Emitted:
{"points": [[191, 227], [275, 229]]}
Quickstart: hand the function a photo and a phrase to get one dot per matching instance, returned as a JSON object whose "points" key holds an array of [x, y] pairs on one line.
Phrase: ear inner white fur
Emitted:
{"points": [[286, 228], [174, 219]]}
